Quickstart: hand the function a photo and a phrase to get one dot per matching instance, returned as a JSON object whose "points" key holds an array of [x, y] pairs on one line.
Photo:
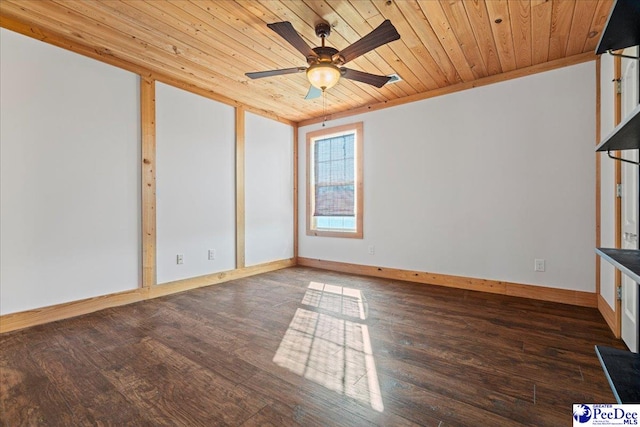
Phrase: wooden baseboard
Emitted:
{"points": [[609, 316], [213, 279], [38, 316], [566, 296], [25, 319]]}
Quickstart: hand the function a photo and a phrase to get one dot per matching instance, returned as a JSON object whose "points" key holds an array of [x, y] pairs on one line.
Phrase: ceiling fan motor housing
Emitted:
{"points": [[324, 54], [323, 29]]}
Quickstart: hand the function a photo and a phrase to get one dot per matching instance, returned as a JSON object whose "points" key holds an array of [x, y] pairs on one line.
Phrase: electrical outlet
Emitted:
{"points": [[212, 254], [179, 259], [538, 265], [372, 250]]}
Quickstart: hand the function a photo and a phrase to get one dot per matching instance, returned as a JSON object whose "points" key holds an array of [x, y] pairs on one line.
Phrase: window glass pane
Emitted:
{"points": [[334, 178], [322, 151], [335, 223], [350, 223]]}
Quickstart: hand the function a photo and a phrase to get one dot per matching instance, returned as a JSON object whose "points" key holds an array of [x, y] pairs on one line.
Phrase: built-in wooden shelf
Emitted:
{"points": [[622, 369], [626, 136], [623, 27], [625, 260]]}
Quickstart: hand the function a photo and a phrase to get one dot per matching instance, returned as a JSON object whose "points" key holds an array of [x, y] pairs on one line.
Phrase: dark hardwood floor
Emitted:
{"points": [[309, 347]]}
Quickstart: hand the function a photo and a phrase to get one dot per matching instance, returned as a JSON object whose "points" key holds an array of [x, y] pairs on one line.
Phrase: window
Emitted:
{"points": [[334, 182]]}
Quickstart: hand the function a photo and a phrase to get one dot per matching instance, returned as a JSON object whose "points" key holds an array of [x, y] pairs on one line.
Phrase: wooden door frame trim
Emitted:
{"points": [[148, 181], [598, 65], [240, 189], [617, 67], [295, 191]]}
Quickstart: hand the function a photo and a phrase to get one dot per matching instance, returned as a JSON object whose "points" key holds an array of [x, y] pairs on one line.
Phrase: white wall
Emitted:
{"points": [[268, 190], [607, 179], [479, 183], [69, 192], [195, 184]]}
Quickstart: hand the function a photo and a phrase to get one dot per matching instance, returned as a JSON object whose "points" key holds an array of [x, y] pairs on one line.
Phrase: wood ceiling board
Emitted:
{"points": [[423, 29], [479, 19], [456, 15], [500, 18], [520, 14], [256, 35], [240, 58], [398, 53], [166, 38], [207, 46], [284, 54], [433, 72], [561, 19], [440, 24], [541, 11], [582, 18]]}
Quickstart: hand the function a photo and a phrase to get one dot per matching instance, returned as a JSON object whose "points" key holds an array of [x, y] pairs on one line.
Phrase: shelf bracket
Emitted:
{"points": [[620, 55], [621, 159]]}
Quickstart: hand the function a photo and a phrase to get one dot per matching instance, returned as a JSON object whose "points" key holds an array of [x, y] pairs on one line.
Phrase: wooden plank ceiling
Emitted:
{"points": [[210, 44]]}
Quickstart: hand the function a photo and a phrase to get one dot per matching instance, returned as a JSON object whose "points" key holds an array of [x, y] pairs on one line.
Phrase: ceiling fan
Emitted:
{"points": [[326, 63]]}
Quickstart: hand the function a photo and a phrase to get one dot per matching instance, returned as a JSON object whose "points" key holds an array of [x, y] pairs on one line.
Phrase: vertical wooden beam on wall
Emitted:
{"points": [[598, 172], [617, 75], [295, 193], [240, 208], [148, 126]]}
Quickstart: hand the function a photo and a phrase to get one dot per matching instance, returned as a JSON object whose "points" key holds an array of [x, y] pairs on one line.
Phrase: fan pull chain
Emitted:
{"points": [[324, 106], [324, 91]]}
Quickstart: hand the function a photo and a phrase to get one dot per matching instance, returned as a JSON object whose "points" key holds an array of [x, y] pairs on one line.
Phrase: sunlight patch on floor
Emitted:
{"points": [[337, 299], [332, 351]]}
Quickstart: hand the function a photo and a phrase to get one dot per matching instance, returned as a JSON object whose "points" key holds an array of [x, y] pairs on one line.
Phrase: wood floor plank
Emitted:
{"points": [[308, 347], [421, 405], [19, 403]]}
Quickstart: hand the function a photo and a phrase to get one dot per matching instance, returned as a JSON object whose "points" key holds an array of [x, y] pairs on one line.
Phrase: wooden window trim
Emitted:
{"points": [[359, 185]]}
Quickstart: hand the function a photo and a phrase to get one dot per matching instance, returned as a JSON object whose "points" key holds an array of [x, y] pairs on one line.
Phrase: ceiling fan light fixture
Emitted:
{"points": [[323, 75]]}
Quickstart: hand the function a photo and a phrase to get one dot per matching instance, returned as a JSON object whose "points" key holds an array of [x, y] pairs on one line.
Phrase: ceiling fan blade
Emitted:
{"points": [[360, 76], [384, 34], [287, 32], [313, 93], [261, 74]]}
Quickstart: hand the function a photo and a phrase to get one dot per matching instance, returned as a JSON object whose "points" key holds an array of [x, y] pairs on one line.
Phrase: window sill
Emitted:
{"points": [[335, 233]]}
